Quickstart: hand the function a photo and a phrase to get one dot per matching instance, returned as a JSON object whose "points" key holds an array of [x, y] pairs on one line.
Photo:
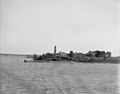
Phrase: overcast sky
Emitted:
{"points": [[35, 26]]}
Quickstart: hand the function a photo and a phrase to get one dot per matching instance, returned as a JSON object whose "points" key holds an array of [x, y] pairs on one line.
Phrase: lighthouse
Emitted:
{"points": [[55, 51]]}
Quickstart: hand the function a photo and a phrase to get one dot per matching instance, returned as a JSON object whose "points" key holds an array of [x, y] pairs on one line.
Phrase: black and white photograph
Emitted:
{"points": [[59, 47]]}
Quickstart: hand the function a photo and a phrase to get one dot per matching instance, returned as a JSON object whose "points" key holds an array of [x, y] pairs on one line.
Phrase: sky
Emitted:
{"points": [[36, 26]]}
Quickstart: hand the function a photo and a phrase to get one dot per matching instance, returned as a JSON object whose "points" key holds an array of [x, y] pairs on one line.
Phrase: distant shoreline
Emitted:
{"points": [[13, 54], [114, 60]]}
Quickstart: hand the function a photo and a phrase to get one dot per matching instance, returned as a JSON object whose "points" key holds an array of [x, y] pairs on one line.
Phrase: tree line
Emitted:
{"points": [[91, 56]]}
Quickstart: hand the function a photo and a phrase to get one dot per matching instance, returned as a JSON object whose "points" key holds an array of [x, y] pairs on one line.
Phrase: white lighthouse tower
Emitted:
{"points": [[55, 51]]}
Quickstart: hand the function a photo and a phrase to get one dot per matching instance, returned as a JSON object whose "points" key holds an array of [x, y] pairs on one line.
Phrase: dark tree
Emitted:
{"points": [[108, 54], [100, 53], [71, 54], [40, 57], [35, 57], [90, 54], [44, 57]]}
